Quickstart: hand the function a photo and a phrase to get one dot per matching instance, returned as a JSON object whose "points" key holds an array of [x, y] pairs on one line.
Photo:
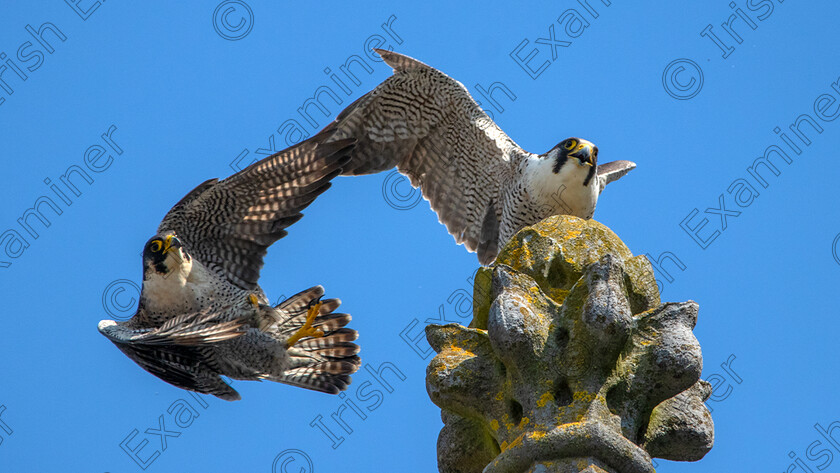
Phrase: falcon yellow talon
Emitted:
{"points": [[307, 330], [254, 300]]}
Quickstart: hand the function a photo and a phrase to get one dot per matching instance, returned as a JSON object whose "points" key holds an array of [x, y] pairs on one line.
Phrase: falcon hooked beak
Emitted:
{"points": [[585, 152], [171, 244]]}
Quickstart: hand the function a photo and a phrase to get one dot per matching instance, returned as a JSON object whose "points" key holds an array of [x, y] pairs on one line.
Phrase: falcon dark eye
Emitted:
{"points": [[155, 246], [569, 144]]}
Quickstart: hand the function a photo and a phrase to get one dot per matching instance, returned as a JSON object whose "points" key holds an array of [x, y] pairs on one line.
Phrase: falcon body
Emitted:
{"points": [[482, 185], [201, 313]]}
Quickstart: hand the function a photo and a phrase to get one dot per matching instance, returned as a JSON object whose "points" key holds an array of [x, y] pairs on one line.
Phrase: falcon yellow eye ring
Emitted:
{"points": [[571, 144], [156, 246]]}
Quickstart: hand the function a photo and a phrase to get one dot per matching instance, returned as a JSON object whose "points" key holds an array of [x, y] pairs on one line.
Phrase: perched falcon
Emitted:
{"points": [[482, 185], [201, 313]]}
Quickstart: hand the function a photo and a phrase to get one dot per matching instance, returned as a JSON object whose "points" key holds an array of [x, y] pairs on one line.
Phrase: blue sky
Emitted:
{"points": [[181, 92]]}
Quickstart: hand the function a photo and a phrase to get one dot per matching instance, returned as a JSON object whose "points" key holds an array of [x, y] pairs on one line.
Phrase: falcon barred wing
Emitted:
{"points": [[427, 125], [187, 329], [228, 225], [180, 351], [613, 171], [185, 367]]}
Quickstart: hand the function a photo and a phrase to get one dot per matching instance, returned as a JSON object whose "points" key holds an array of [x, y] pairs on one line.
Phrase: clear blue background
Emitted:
{"points": [[186, 102]]}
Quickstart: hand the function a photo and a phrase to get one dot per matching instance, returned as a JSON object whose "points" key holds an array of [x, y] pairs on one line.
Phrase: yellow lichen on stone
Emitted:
{"points": [[572, 234], [459, 351], [517, 441], [537, 434], [555, 252], [554, 351], [545, 399]]}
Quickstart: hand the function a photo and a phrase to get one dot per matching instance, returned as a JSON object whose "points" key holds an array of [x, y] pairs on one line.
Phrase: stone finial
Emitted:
{"points": [[570, 364]]}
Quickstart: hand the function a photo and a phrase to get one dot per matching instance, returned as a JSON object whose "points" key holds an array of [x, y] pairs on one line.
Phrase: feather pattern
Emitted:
{"points": [[428, 125], [612, 171], [228, 225], [475, 177], [202, 314], [180, 351]]}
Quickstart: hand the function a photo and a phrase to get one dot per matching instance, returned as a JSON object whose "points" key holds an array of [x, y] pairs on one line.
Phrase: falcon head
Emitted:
{"points": [[581, 152], [165, 254]]}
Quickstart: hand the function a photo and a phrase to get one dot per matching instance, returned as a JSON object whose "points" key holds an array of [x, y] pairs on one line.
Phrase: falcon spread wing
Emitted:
{"points": [[427, 124], [229, 224], [612, 171], [482, 185], [180, 351]]}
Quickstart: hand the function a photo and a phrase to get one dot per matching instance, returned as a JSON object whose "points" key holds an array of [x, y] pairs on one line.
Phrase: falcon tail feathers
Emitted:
{"points": [[488, 244], [318, 363]]}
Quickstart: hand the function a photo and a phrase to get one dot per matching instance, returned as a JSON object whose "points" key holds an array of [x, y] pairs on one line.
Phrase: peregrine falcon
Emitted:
{"points": [[201, 313], [482, 185]]}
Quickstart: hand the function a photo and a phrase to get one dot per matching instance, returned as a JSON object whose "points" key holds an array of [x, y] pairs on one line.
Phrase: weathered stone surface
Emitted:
{"points": [[477, 446], [681, 428], [555, 252], [571, 465], [571, 363]]}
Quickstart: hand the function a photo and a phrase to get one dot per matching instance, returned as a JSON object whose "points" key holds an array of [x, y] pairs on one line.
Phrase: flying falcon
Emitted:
{"points": [[482, 185], [201, 313]]}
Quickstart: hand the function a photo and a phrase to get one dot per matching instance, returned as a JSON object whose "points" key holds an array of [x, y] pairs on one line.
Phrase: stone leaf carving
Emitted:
{"points": [[570, 364]]}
